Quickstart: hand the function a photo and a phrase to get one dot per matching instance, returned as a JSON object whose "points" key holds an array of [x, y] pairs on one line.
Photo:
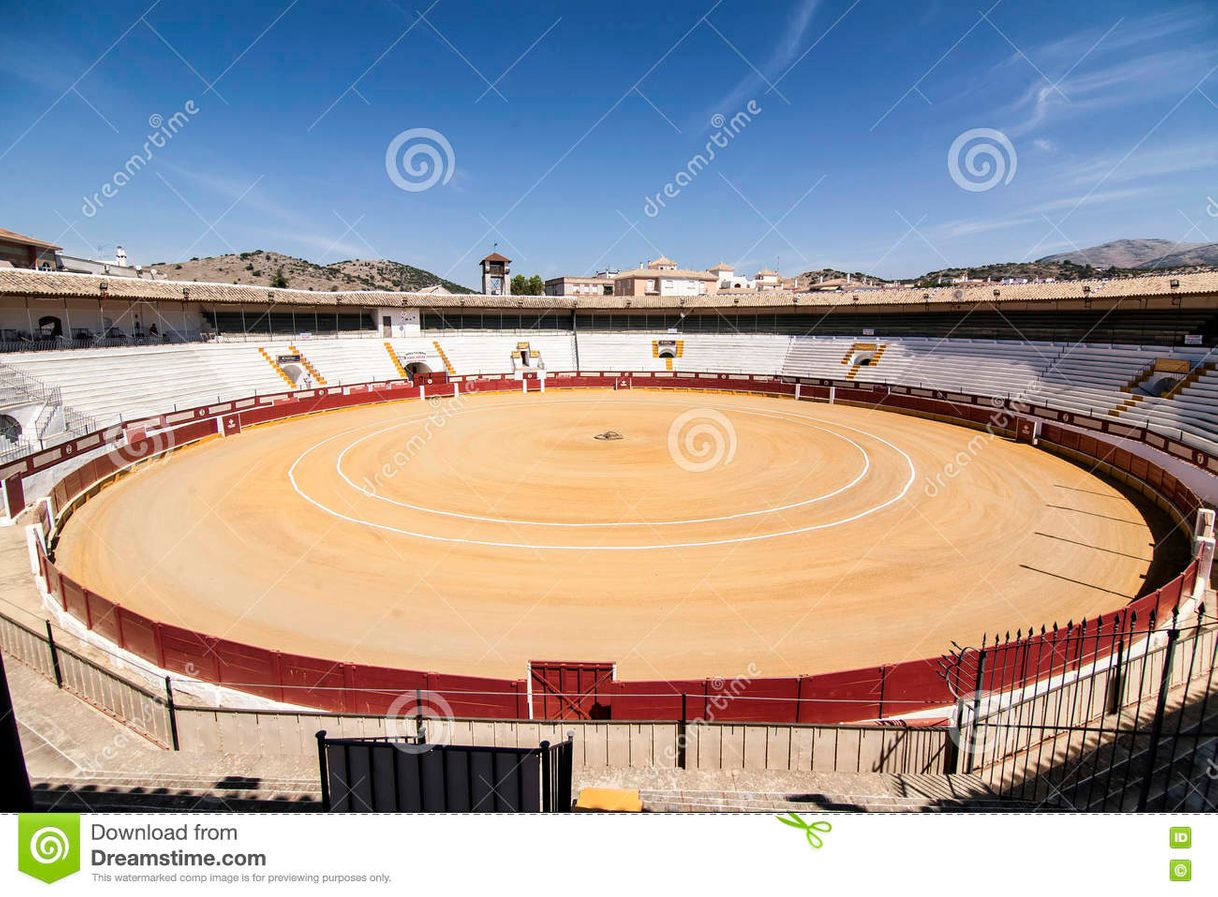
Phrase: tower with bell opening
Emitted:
{"points": [[495, 271]]}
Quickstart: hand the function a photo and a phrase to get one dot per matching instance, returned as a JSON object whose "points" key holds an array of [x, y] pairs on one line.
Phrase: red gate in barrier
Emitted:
{"points": [[569, 690], [1026, 430]]}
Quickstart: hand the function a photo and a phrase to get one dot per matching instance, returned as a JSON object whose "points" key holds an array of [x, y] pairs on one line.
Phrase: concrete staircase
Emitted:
{"points": [[772, 791], [448, 365], [1126, 403], [176, 793], [973, 798], [668, 359], [308, 366], [1193, 376], [276, 367], [1106, 773], [872, 360], [1139, 378], [397, 362]]}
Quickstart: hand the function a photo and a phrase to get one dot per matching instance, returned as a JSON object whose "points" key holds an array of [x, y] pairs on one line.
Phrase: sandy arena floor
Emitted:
{"points": [[719, 532]]}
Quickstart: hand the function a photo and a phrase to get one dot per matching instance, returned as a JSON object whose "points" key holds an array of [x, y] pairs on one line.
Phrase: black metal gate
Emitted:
{"points": [[1117, 718], [388, 775]]}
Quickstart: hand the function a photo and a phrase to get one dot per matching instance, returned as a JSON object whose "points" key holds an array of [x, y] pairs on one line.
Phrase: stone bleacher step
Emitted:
{"points": [[758, 791], [767, 802], [175, 792]]}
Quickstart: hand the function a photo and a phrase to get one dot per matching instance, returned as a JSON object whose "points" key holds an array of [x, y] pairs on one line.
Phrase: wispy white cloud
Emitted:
{"points": [[1109, 67], [969, 227], [1129, 34], [329, 242], [230, 188], [789, 45], [327, 247], [1034, 215], [1099, 197], [1146, 164]]}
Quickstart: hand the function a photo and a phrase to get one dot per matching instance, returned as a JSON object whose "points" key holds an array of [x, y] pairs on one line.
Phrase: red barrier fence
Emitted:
{"points": [[870, 693]]}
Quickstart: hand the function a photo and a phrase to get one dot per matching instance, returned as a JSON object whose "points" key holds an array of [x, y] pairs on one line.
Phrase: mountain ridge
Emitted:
{"points": [[1147, 254], [267, 268]]}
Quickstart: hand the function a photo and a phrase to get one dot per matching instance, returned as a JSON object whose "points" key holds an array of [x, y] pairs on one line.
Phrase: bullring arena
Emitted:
{"points": [[718, 535], [878, 535]]}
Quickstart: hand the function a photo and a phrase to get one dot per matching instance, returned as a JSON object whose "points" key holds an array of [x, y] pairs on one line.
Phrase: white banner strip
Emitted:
{"points": [[591, 854]]}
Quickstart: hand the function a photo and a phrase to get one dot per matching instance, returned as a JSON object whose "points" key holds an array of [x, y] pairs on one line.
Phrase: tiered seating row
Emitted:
{"points": [[109, 384]]}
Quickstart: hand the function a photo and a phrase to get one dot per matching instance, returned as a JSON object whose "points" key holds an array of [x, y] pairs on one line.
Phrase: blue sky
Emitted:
{"points": [[563, 118]]}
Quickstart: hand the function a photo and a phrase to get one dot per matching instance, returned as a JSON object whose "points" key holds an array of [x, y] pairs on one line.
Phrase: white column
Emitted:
{"points": [[1203, 526], [1205, 564]]}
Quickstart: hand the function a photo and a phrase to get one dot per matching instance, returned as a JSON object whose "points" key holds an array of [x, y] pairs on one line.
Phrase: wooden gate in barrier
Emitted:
{"points": [[1027, 430], [560, 689]]}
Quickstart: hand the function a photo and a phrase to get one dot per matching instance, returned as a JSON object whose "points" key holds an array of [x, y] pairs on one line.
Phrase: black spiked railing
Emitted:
{"points": [[1106, 714]]}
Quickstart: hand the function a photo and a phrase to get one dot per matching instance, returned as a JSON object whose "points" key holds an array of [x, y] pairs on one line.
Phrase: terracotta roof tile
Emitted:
{"points": [[57, 284], [10, 236]]}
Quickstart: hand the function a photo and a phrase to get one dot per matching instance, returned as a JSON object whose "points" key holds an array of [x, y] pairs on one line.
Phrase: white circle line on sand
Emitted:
{"points": [[338, 467], [431, 537]]}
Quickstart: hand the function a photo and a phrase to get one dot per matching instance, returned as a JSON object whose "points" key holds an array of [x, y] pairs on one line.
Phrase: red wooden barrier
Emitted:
{"points": [[845, 696]]}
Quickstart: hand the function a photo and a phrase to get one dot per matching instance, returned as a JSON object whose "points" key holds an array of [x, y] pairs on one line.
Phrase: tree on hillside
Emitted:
{"points": [[278, 280]]}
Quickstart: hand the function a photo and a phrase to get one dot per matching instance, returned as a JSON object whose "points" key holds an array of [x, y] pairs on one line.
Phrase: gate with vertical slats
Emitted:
{"points": [[401, 775], [562, 689]]}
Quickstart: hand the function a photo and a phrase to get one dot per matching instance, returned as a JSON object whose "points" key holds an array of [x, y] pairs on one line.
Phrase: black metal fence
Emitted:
{"points": [[408, 775], [1118, 719], [146, 712]]}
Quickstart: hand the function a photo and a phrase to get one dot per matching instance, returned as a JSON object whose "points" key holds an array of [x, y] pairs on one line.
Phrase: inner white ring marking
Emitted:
{"points": [[405, 504], [431, 537]]}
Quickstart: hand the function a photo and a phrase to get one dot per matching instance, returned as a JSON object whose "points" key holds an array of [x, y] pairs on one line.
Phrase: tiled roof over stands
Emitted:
{"points": [[47, 284]]}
